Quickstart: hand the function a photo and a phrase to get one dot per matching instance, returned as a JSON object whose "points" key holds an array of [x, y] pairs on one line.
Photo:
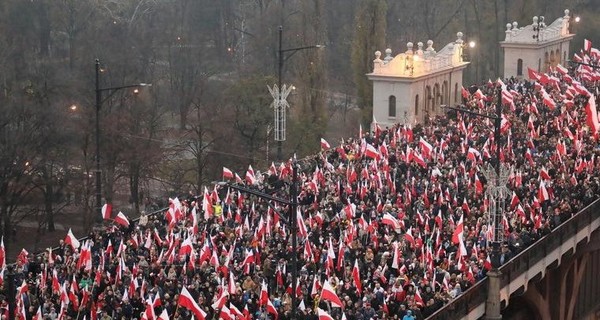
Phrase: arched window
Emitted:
{"points": [[392, 106], [520, 67], [445, 95], [456, 92], [428, 98], [437, 95], [416, 105]]}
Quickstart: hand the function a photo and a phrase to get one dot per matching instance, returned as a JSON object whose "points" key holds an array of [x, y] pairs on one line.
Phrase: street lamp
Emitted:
{"points": [[292, 204], [497, 192], [12, 292], [99, 101], [281, 92]]}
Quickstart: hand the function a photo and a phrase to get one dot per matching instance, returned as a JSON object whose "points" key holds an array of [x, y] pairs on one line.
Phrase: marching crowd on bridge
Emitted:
{"points": [[392, 224]]}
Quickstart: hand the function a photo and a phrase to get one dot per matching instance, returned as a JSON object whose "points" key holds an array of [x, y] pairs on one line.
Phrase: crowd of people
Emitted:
{"points": [[392, 224]]}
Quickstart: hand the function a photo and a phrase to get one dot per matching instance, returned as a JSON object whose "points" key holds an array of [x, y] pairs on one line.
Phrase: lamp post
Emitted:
{"points": [[292, 204], [99, 101], [497, 192], [12, 292], [281, 92]]}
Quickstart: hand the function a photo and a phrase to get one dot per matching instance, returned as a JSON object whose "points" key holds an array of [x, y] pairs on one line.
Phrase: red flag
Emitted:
{"points": [[226, 314], [71, 240], [122, 219], [487, 264], [301, 225], [544, 174], [371, 152], [592, 115], [236, 312], [164, 315], [542, 193], [185, 300], [548, 101], [356, 277], [418, 298], [464, 92], [514, 201], [323, 315], [438, 219], [324, 144], [473, 154], [409, 237], [329, 294], [227, 174], [479, 95], [238, 179], [458, 231], [587, 45], [465, 207], [418, 159], [38, 314], [264, 294], [106, 211], [478, 185], [562, 69], [426, 148], [250, 178], [533, 75], [388, 219], [271, 309]]}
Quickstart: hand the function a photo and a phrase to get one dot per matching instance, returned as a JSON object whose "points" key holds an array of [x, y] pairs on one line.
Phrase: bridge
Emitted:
{"points": [[558, 277]]}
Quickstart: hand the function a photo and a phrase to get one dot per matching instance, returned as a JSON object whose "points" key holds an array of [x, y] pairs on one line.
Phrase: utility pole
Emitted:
{"points": [[280, 92], [292, 203], [99, 101]]}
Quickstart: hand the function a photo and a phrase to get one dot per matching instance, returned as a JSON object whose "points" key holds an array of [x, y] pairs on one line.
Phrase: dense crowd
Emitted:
{"points": [[391, 224]]}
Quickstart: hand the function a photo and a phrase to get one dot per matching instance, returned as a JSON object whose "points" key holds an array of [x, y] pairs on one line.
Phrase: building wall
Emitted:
{"points": [[416, 98], [534, 57]]}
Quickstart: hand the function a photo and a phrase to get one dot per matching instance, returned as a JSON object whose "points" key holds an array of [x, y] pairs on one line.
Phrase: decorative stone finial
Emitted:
{"points": [[420, 48], [409, 47], [459, 39], [388, 55], [515, 25], [535, 19], [508, 26], [430, 46], [567, 13], [377, 62]]}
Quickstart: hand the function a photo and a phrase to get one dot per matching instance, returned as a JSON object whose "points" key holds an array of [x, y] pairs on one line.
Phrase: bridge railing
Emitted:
{"points": [[476, 295]]}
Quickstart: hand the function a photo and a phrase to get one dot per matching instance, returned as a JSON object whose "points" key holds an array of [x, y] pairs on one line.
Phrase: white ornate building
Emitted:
{"points": [[410, 86], [537, 46]]}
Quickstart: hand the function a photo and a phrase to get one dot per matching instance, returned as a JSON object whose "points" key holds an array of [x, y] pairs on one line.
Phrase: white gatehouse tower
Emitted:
{"points": [[537, 46], [411, 86]]}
